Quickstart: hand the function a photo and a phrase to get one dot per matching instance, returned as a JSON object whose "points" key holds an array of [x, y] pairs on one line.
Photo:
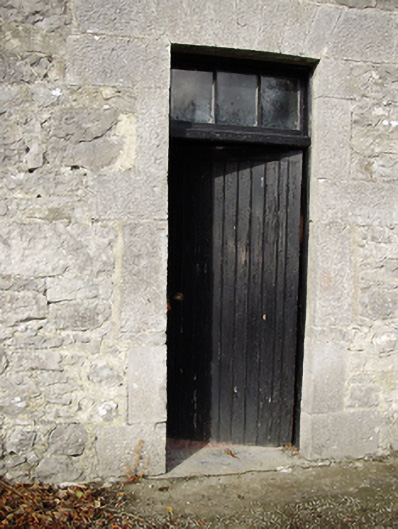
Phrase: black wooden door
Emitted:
{"points": [[233, 287]]}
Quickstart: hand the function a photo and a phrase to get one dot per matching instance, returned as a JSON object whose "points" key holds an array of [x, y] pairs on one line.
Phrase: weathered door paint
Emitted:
{"points": [[233, 288]]}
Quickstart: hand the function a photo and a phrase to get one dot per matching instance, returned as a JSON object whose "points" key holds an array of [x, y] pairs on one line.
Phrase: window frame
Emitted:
{"points": [[249, 134]]}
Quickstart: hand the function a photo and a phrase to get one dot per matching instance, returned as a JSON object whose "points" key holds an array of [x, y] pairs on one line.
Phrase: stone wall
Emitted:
{"points": [[83, 223]]}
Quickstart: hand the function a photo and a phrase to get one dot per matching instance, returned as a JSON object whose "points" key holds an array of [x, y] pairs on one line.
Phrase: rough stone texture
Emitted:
{"points": [[117, 449], [84, 102], [147, 402]]}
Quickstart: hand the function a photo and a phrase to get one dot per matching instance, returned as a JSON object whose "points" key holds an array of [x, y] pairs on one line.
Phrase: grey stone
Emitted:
{"points": [[331, 275], [380, 168], [147, 385], [3, 361], [117, 446], [58, 469], [355, 202], [361, 396], [82, 125], [68, 440], [123, 18], [16, 307], [72, 288], [115, 61], [326, 366], [48, 360], [367, 35], [108, 410], [331, 126], [144, 296], [374, 128], [3, 208], [342, 434], [20, 441], [42, 250], [105, 374], [78, 315], [377, 304], [17, 394]]}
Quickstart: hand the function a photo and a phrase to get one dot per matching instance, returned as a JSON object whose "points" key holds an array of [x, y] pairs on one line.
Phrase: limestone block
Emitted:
{"points": [[320, 31], [331, 130], [49, 249], [206, 28], [48, 360], [58, 469], [117, 446], [297, 25], [363, 396], [367, 35], [32, 11], [380, 168], [147, 385], [20, 441], [144, 278], [151, 161], [127, 196], [72, 288], [376, 304], [3, 361], [382, 272], [82, 124], [13, 96], [357, 202], [374, 128], [60, 183], [334, 78], [115, 61], [94, 155], [68, 440], [121, 17], [105, 374], [325, 374], [376, 243], [331, 279], [17, 394], [339, 435], [16, 307], [78, 315]]}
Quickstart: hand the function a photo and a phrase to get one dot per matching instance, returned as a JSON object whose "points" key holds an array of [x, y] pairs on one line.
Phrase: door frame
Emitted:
{"points": [[281, 141]]}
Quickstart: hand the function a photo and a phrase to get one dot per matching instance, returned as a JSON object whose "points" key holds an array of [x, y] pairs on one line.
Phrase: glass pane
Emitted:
{"points": [[280, 103], [236, 99], [191, 94]]}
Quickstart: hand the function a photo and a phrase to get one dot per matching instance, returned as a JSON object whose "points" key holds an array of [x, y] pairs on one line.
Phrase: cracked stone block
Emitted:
{"points": [[58, 469], [68, 440], [20, 441], [105, 374]]}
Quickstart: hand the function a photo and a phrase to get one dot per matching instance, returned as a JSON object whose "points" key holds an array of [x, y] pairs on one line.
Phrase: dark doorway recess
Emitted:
{"points": [[233, 290], [236, 220]]}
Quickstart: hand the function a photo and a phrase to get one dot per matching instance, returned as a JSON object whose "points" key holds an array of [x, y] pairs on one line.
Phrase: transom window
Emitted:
{"points": [[229, 98]]}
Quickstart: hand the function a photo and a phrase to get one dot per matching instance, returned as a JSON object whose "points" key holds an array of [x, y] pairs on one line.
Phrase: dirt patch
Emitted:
{"points": [[349, 494]]}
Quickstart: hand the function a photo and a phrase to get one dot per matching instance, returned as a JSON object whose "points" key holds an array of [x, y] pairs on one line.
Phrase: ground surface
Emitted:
{"points": [[347, 495], [351, 494]]}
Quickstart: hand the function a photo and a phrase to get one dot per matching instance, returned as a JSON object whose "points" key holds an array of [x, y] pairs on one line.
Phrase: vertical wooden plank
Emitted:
{"points": [[268, 323], [217, 295], [279, 303], [228, 300], [241, 298], [254, 306], [287, 380]]}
